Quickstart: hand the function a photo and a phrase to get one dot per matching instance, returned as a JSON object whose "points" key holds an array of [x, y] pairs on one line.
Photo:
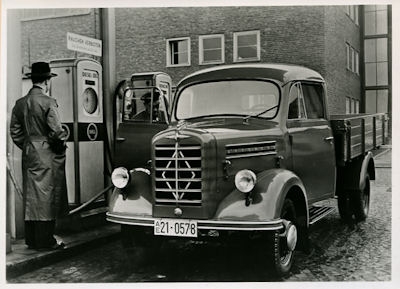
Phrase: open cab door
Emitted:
{"points": [[143, 111]]}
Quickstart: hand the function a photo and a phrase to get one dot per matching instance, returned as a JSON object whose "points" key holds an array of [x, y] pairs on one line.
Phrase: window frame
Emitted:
{"points": [[323, 100], [352, 11], [235, 45], [169, 51], [348, 56], [201, 49], [352, 59], [301, 106]]}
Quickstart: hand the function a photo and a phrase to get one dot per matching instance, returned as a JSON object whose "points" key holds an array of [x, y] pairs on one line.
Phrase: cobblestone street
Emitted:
{"points": [[338, 254]]}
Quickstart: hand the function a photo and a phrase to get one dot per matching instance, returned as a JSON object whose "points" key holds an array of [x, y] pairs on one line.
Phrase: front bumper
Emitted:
{"points": [[202, 224]]}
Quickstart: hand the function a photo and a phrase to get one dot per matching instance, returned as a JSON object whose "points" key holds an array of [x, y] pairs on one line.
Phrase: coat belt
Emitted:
{"points": [[38, 138]]}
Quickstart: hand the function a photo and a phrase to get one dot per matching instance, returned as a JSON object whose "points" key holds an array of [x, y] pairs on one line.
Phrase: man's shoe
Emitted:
{"points": [[58, 246]]}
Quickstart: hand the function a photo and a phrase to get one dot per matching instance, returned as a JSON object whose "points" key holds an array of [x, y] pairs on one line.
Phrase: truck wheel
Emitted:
{"points": [[360, 201], [282, 243], [345, 210]]}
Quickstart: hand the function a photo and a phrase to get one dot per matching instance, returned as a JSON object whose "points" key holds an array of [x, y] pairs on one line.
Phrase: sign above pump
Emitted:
{"points": [[84, 44]]}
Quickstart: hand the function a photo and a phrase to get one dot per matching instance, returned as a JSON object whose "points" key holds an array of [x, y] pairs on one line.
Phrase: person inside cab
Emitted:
{"points": [[150, 111]]}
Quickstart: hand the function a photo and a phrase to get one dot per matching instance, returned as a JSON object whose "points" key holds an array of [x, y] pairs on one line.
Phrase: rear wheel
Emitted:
{"points": [[345, 211], [355, 203], [281, 244], [360, 201]]}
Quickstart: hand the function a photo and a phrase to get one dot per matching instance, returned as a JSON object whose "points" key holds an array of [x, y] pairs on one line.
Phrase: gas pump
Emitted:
{"points": [[78, 91], [160, 80]]}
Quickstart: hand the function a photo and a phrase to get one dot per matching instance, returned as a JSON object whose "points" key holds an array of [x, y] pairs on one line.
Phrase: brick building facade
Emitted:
{"points": [[313, 36]]}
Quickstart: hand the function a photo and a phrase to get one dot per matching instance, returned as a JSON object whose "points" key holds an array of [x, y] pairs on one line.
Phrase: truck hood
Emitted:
{"points": [[203, 148], [222, 128]]}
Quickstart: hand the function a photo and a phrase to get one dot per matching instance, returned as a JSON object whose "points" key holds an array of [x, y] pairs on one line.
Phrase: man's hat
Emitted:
{"points": [[41, 69], [146, 98]]}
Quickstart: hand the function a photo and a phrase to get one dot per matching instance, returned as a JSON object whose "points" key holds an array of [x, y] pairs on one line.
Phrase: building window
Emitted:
{"points": [[246, 46], [352, 105], [376, 20], [376, 101], [352, 59], [348, 56], [212, 49], [178, 52], [376, 62], [352, 12], [356, 62]]}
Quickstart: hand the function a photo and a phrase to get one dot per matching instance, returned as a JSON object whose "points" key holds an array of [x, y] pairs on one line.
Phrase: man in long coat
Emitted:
{"points": [[36, 129]]}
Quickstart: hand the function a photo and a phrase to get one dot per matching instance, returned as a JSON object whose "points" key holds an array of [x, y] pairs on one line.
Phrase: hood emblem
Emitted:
{"points": [[178, 212]]}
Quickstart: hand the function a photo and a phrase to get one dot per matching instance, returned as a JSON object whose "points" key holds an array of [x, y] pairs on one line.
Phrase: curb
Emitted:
{"points": [[20, 267], [385, 161]]}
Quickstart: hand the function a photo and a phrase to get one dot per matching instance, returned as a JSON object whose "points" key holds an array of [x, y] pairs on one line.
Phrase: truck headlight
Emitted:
{"points": [[245, 180], [120, 177]]}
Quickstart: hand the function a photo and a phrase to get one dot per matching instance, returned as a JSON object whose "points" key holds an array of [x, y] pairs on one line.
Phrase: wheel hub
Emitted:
{"points": [[290, 235]]}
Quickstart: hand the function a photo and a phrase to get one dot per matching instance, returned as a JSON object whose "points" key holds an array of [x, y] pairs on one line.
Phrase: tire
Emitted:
{"points": [[280, 257], [345, 210], [360, 201]]}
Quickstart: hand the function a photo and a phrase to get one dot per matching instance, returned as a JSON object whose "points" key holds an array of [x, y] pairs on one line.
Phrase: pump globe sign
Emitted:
{"points": [[84, 44]]}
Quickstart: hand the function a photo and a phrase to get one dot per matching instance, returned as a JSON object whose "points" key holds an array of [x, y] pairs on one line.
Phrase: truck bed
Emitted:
{"points": [[356, 134]]}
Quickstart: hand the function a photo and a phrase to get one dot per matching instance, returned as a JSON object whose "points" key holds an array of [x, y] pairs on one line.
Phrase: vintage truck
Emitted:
{"points": [[250, 151]]}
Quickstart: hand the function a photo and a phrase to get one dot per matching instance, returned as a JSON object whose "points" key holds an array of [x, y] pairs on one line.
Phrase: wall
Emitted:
{"points": [[293, 34], [46, 39], [341, 82], [313, 36], [15, 218]]}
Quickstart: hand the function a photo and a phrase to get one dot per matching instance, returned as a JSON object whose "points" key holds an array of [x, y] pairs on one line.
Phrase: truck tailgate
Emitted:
{"points": [[357, 134]]}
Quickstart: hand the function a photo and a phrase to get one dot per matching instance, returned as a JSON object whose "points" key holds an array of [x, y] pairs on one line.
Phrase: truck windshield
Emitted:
{"points": [[234, 97]]}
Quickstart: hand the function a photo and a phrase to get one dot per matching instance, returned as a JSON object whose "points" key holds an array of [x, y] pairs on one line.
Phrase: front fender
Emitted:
{"points": [[136, 198], [268, 196]]}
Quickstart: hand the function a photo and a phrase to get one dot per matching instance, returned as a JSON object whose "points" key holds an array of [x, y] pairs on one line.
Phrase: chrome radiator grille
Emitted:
{"points": [[178, 174]]}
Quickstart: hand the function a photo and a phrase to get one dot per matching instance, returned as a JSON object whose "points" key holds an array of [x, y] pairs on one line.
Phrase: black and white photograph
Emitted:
{"points": [[179, 143]]}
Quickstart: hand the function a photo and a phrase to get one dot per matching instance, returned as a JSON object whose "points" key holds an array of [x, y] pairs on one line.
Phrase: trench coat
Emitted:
{"points": [[34, 124]]}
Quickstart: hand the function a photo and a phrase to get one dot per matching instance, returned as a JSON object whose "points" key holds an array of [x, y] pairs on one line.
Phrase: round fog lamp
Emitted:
{"points": [[120, 177], [245, 180]]}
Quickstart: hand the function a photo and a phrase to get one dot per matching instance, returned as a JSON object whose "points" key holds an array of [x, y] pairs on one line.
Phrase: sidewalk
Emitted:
{"points": [[383, 157], [22, 260]]}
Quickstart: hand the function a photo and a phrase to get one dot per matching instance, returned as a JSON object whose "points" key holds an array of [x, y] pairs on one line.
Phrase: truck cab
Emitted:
{"points": [[250, 149]]}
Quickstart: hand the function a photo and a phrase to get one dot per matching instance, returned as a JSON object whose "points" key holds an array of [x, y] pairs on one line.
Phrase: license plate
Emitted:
{"points": [[175, 227]]}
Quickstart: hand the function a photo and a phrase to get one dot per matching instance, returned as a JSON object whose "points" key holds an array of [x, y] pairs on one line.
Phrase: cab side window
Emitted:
{"points": [[314, 100], [296, 103]]}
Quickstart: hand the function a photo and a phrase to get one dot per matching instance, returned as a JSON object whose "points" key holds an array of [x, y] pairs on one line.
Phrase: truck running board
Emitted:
{"points": [[316, 213]]}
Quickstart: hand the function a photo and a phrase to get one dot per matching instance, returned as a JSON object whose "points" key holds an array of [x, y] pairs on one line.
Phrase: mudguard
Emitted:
{"points": [[268, 196], [367, 166], [352, 175], [136, 198]]}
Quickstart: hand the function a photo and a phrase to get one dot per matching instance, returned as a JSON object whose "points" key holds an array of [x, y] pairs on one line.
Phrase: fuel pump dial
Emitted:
{"points": [[90, 101]]}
